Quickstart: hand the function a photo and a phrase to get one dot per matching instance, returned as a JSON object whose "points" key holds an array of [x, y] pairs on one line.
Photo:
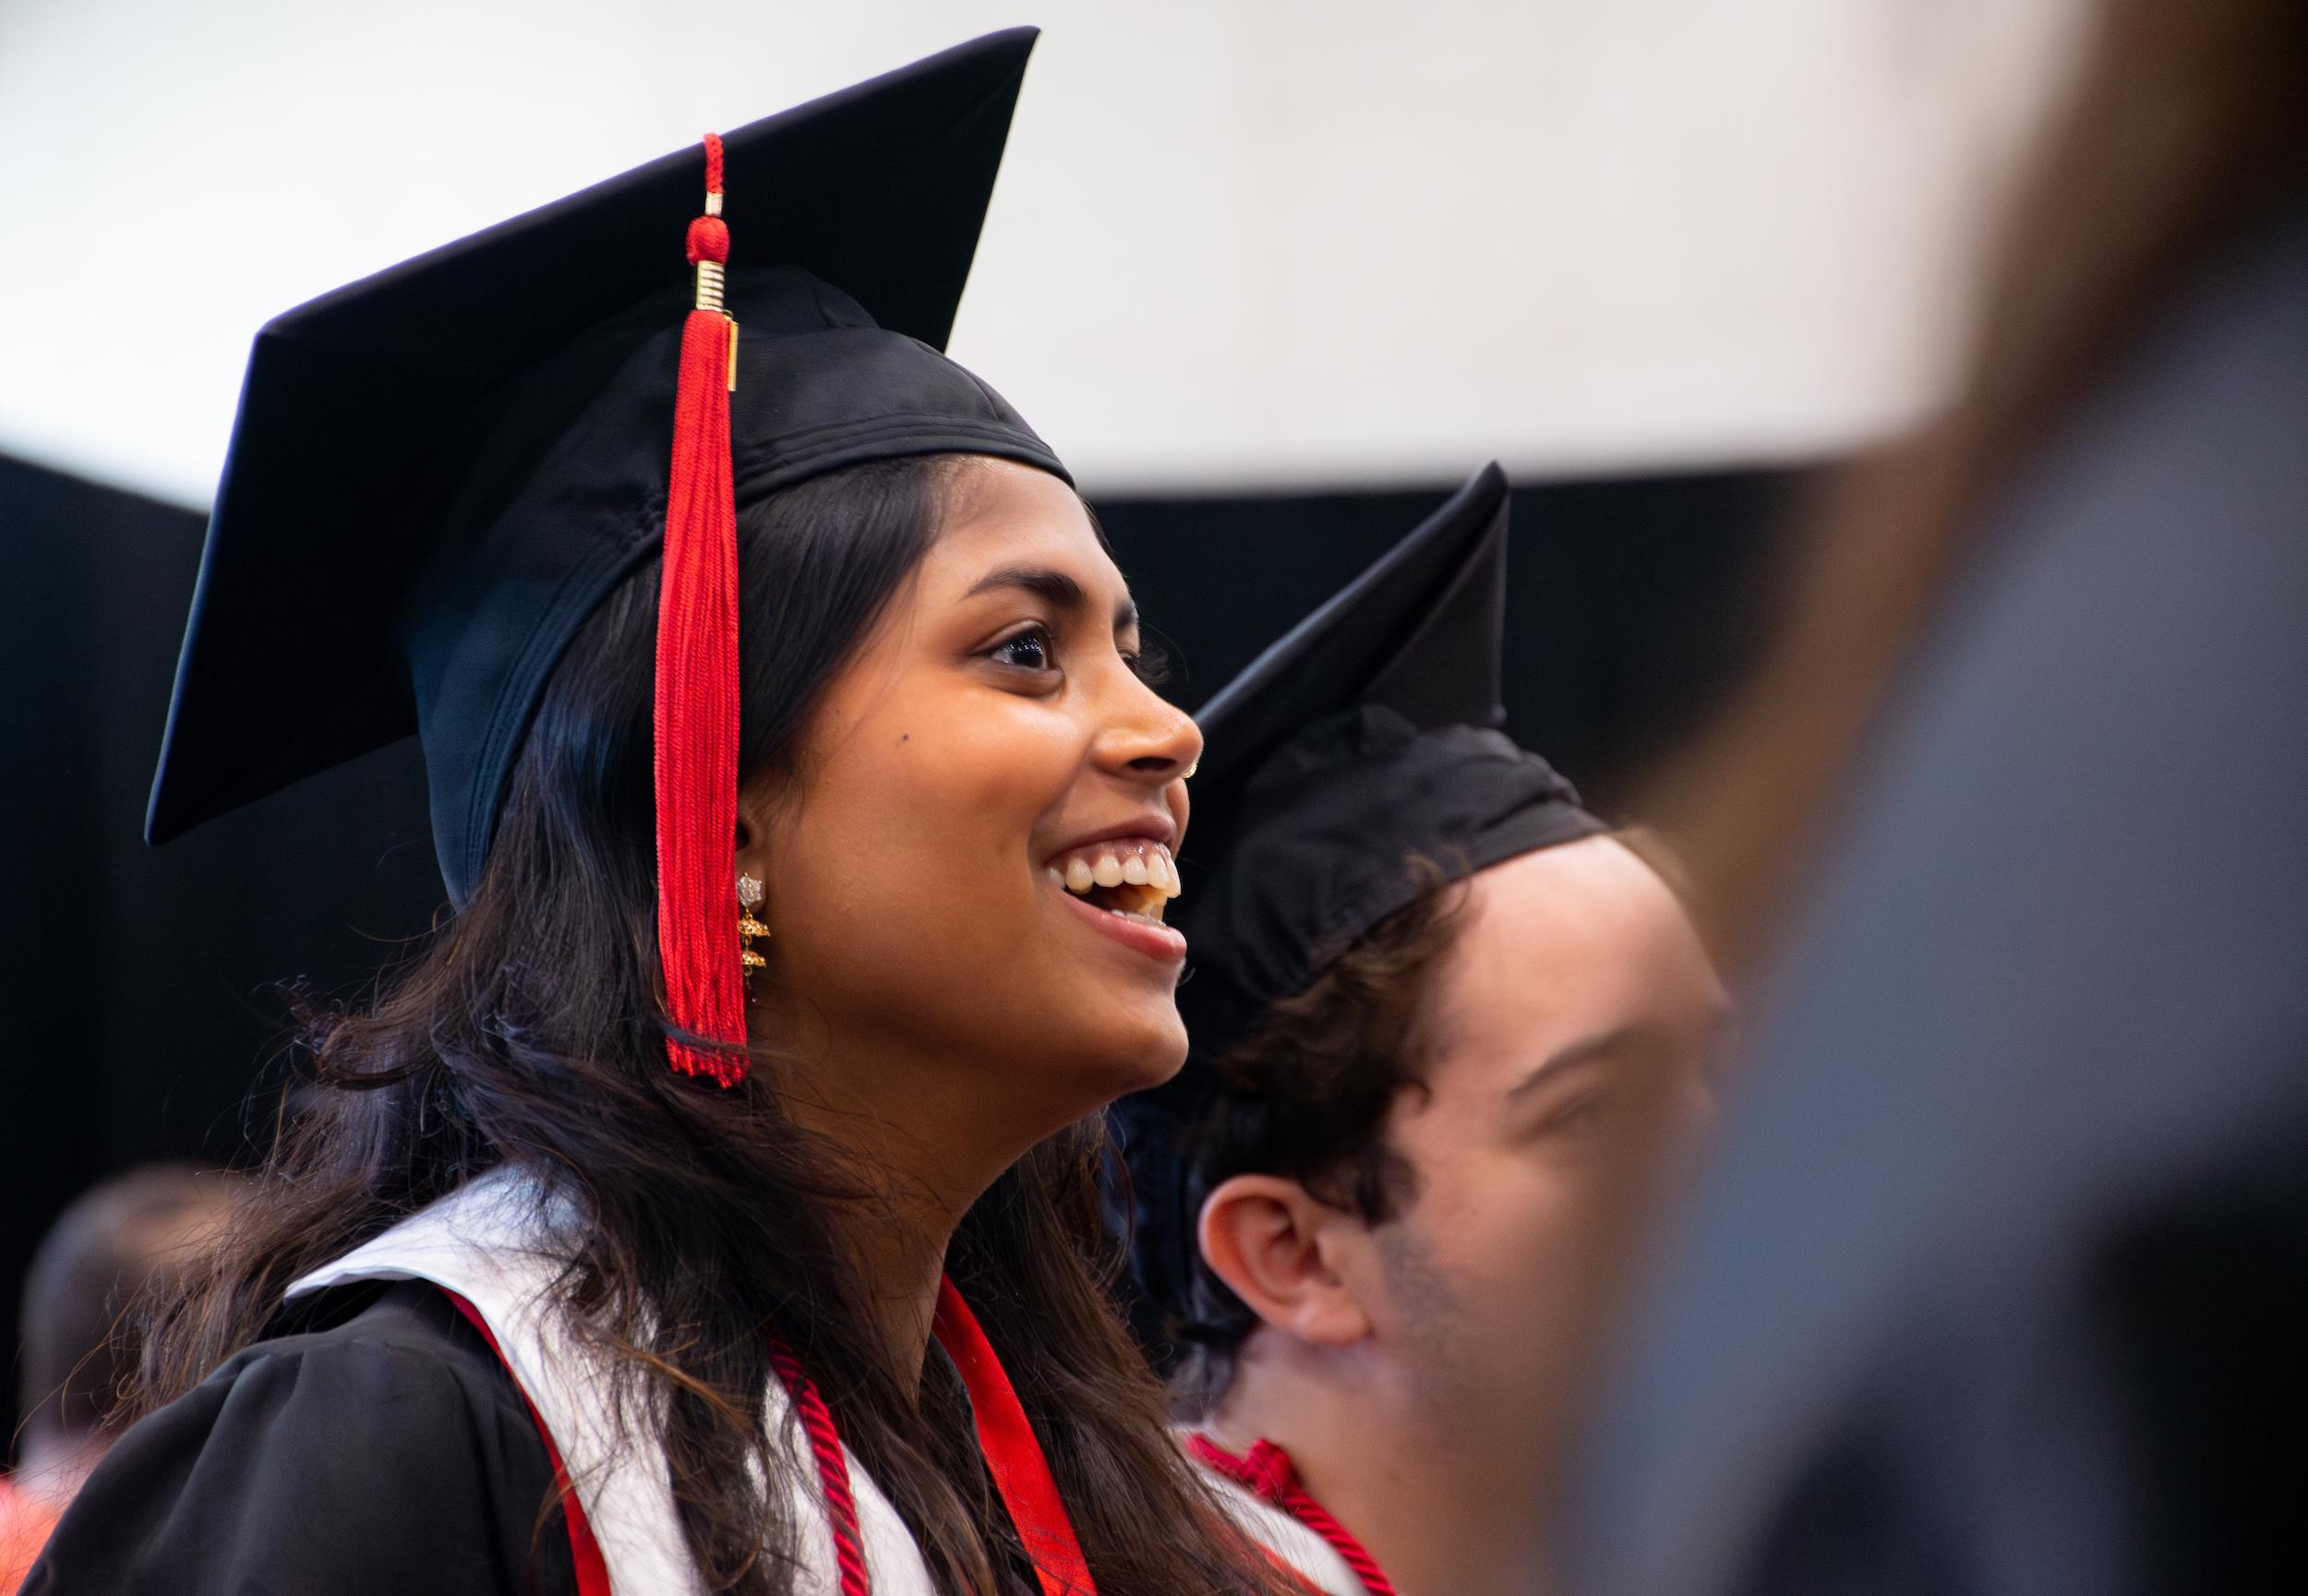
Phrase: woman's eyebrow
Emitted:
{"points": [[1053, 587]]}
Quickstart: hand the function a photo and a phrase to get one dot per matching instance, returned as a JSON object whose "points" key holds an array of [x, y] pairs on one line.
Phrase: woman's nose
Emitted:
{"points": [[1153, 738]]}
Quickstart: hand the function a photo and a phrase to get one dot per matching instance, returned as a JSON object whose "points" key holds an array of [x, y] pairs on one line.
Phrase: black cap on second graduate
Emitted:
{"points": [[1365, 737], [437, 474]]}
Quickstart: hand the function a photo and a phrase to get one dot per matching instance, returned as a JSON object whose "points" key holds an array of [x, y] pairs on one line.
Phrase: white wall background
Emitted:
{"points": [[1263, 243]]}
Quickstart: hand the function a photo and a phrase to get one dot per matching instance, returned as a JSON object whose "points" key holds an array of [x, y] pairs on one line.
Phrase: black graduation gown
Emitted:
{"points": [[382, 1449]]}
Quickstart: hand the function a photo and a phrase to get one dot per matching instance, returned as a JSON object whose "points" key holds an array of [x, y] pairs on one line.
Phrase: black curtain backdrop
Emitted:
{"points": [[147, 985]]}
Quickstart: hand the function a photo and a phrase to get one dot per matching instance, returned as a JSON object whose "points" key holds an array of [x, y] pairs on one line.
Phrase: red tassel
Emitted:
{"points": [[696, 717]]}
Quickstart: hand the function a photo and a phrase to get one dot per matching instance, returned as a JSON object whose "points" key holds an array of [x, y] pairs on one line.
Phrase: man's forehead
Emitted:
{"points": [[1556, 947], [1542, 919]]}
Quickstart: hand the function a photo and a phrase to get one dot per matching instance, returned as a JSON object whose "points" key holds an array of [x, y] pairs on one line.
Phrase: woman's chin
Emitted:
{"points": [[1149, 1055], [1160, 1065]]}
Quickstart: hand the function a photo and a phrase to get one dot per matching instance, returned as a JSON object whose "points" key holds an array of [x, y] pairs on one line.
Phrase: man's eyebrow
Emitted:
{"points": [[1053, 587], [1584, 1051]]}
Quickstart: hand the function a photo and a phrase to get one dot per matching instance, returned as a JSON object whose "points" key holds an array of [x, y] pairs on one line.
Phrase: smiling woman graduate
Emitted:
{"points": [[710, 1205]]}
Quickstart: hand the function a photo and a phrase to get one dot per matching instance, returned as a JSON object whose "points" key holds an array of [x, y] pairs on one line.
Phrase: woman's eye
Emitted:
{"points": [[1026, 651]]}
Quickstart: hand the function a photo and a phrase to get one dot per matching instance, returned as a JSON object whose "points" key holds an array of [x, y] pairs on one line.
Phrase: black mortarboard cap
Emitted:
{"points": [[437, 473], [1366, 738]]}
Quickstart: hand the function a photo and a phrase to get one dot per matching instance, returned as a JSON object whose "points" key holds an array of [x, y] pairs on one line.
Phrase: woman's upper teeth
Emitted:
{"points": [[1134, 861]]}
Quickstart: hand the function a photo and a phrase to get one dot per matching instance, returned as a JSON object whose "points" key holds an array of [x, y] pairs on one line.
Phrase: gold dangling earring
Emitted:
{"points": [[749, 895]]}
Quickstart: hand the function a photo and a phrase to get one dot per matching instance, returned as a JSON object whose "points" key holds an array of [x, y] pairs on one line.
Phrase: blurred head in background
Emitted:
{"points": [[128, 1236], [124, 1237], [1997, 1279]]}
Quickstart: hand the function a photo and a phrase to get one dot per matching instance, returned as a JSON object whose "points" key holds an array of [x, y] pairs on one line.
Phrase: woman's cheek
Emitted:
{"points": [[956, 749], [991, 792], [937, 822]]}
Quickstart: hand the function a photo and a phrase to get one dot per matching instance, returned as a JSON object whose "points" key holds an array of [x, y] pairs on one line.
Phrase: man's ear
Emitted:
{"points": [[1279, 1248]]}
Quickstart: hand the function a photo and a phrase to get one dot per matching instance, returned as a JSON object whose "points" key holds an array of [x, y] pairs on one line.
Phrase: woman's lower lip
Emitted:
{"points": [[1166, 943]]}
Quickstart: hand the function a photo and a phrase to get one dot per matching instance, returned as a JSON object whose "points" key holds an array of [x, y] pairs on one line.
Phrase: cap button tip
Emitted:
{"points": [[709, 240]]}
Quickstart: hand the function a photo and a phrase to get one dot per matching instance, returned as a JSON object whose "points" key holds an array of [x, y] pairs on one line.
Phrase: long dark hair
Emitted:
{"points": [[530, 1033]]}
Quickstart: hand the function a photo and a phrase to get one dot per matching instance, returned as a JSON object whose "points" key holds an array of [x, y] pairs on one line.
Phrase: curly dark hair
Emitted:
{"points": [[1305, 1095]]}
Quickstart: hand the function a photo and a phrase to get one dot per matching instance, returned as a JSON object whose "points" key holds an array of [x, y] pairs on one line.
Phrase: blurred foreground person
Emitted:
{"points": [[673, 1221], [1424, 979], [2000, 1282], [126, 1236]]}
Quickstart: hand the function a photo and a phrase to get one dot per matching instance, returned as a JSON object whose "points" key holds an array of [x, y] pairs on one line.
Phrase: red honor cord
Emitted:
{"points": [[1269, 1474], [1021, 1474], [833, 1470]]}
